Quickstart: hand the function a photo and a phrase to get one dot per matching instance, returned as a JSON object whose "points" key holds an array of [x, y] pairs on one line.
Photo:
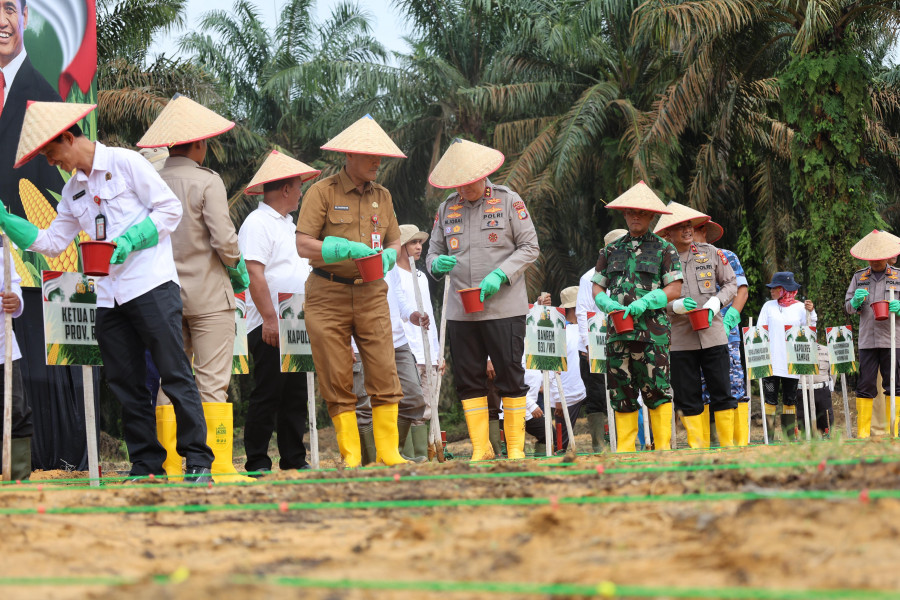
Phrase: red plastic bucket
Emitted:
{"points": [[622, 323], [471, 299], [881, 311], [370, 267], [95, 257], [699, 318]]}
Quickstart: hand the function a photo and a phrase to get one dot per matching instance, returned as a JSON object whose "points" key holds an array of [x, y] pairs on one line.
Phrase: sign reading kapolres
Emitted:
{"points": [[70, 310], [802, 350], [296, 351]]}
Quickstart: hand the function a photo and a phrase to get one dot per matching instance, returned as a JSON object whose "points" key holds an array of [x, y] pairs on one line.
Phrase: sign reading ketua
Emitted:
{"points": [[70, 310]]}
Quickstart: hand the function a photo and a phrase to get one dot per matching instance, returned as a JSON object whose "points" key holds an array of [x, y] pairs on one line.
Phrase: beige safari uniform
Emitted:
{"points": [[494, 231], [704, 268], [338, 304], [204, 242]]}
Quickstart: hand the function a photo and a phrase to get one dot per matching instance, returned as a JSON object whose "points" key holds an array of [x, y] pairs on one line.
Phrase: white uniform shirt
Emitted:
{"points": [[9, 73], [414, 332], [400, 306], [573, 386], [17, 290], [129, 190], [584, 304], [269, 238], [776, 317]]}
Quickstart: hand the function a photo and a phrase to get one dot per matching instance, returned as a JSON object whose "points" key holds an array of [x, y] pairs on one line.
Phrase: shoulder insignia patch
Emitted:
{"points": [[518, 205], [722, 257], [454, 243], [522, 214]]}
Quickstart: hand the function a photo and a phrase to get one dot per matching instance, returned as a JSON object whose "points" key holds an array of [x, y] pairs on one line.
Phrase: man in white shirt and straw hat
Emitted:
{"points": [[139, 303], [639, 274], [869, 285], [344, 217], [484, 237], [210, 270], [709, 284], [268, 243]]}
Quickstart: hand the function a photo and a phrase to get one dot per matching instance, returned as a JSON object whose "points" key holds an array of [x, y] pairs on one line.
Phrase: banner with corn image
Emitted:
{"points": [[240, 357], [545, 339], [802, 350], [841, 357], [70, 310], [296, 352]]}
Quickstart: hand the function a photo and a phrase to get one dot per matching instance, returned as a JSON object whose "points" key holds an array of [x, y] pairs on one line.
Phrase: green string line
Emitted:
{"points": [[458, 502], [605, 589]]}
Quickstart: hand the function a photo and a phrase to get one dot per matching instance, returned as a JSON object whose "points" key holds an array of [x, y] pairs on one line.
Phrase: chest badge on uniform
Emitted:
{"points": [[97, 200], [491, 211], [701, 259], [457, 229], [494, 201], [108, 176], [374, 205], [493, 237], [454, 243], [707, 284], [446, 230], [454, 215], [455, 207], [493, 223]]}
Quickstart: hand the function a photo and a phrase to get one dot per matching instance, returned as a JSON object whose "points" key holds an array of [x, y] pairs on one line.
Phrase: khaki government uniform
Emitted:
{"points": [[338, 308], [204, 242]]}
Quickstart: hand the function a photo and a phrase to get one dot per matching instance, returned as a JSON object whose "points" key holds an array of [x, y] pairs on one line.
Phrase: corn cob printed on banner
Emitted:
{"points": [[545, 339], [70, 310], [240, 364], [296, 351]]}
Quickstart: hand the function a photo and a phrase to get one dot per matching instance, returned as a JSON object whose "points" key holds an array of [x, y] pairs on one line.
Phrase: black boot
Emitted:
{"points": [[197, 475], [20, 459]]}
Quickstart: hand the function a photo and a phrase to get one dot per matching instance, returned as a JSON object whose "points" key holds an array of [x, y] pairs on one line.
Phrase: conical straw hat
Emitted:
{"points": [[364, 137], [279, 166], [43, 122], [613, 235], [714, 232], [463, 163], [183, 121], [639, 197], [878, 245], [680, 214]]}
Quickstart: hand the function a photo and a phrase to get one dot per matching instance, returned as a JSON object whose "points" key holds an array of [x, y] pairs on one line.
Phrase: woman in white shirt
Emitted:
{"points": [[783, 310]]}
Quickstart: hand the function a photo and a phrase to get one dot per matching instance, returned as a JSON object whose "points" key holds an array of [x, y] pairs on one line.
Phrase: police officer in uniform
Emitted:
{"points": [[874, 284], [639, 273], [210, 269], [709, 283], [344, 217], [484, 237]]}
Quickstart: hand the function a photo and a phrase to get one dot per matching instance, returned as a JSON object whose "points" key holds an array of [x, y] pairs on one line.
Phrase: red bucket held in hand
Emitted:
{"points": [[471, 299], [95, 257], [622, 323], [699, 318], [881, 311], [370, 267]]}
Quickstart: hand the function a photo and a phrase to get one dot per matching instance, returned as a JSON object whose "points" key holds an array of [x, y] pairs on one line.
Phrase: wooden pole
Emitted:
{"points": [[313, 427], [7, 367], [434, 432], [610, 417], [804, 385], [762, 408], [891, 428], [749, 384], [90, 424], [846, 407], [572, 450], [426, 347], [548, 426]]}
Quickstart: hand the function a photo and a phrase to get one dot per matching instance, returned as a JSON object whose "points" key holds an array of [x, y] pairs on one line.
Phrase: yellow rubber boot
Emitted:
{"points": [[887, 411], [220, 437], [384, 426], [694, 427], [476, 413], [626, 431], [347, 433], [661, 426], [706, 433], [514, 427], [742, 424], [725, 426], [864, 417], [165, 431]]}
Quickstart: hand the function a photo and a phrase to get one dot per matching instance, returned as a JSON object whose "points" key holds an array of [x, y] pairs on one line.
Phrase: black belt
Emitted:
{"points": [[337, 279]]}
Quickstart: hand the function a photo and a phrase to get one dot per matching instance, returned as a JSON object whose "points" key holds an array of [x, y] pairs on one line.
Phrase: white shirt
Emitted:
{"points": [[129, 190], [269, 238], [10, 71], [414, 332], [573, 386], [776, 317], [17, 290], [584, 304], [400, 306]]}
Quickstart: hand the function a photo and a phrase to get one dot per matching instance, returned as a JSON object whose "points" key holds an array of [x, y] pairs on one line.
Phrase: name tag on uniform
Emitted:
{"points": [[79, 195], [376, 241], [341, 208]]}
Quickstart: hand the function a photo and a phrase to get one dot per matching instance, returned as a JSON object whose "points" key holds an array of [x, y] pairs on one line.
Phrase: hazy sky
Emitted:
{"points": [[387, 23]]}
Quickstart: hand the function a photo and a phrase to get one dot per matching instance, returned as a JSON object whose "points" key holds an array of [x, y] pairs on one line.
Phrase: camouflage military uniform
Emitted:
{"points": [[628, 269], [738, 380]]}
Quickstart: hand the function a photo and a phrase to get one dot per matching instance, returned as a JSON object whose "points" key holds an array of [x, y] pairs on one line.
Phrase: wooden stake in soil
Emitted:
{"points": [[610, 417], [846, 406], [7, 367], [762, 409], [804, 384], [571, 452], [749, 389], [435, 443], [891, 428], [548, 426], [426, 346], [313, 428], [90, 424]]}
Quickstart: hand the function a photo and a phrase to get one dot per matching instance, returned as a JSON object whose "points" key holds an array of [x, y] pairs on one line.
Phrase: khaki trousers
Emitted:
{"points": [[209, 345], [334, 312]]}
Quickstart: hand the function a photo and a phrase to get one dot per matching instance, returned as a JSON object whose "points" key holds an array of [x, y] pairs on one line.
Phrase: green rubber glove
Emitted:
{"points": [[388, 259], [732, 317], [894, 306], [240, 279], [137, 237], [20, 231], [490, 285], [859, 296], [607, 304], [654, 300], [442, 264], [336, 249]]}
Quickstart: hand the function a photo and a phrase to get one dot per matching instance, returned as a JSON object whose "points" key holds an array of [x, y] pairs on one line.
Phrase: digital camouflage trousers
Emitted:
{"points": [[637, 368]]}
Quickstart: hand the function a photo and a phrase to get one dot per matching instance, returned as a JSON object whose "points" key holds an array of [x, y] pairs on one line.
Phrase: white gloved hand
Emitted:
{"points": [[713, 304], [679, 308]]}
